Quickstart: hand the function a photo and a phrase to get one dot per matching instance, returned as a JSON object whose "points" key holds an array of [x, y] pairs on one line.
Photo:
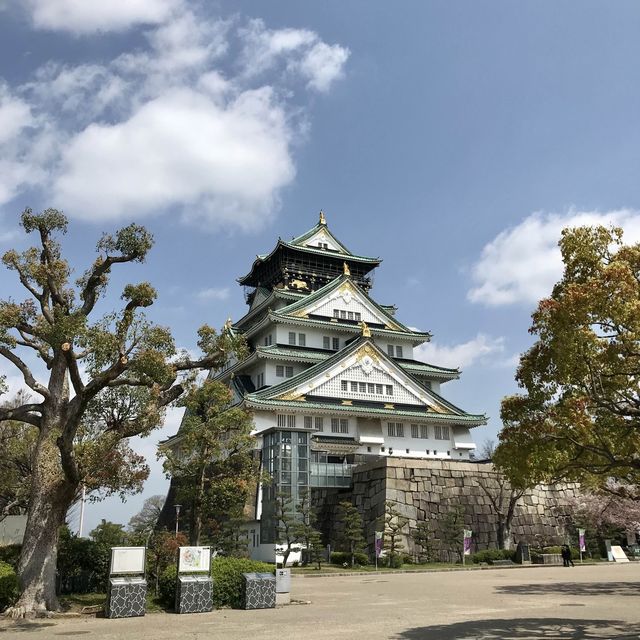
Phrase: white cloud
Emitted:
{"points": [[84, 17], [163, 128], [323, 64], [462, 355], [214, 294], [319, 63], [15, 115], [522, 263], [181, 149]]}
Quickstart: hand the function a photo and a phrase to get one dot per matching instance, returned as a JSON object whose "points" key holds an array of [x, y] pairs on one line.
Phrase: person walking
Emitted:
{"points": [[569, 558], [565, 557]]}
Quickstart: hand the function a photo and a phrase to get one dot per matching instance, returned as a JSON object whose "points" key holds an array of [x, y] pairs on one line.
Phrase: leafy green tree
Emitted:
{"points": [[452, 531], [578, 418], [109, 534], [17, 443], [163, 552], [352, 529], [422, 537], [315, 548], [145, 520], [394, 528], [103, 381], [212, 457], [233, 539]]}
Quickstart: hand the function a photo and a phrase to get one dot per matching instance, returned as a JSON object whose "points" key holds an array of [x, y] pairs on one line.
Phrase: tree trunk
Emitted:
{"points": [[51, 496]]}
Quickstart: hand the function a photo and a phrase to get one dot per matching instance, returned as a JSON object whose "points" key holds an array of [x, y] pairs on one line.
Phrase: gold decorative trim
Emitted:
{"points": [[347, 403], [293, 395], [347, 271], [367, 350], [388, 406], [323, 220], [366, 332]]}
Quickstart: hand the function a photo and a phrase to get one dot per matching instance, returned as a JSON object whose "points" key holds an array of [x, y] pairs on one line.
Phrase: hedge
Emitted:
{"points": [[227, 581], [342, 557], [8, 585], [491, 555]]}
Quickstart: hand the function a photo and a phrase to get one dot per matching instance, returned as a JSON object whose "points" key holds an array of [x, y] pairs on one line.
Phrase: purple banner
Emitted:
{"points": [[467, 542], [583, 546], [378, 543]]}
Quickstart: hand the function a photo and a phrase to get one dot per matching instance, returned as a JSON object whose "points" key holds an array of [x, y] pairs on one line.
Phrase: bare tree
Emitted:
{"points": [[487, 449], [503, 499]]}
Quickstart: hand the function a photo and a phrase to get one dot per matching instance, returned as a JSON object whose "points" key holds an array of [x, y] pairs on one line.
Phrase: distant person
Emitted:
{"points": [[566, 556]]}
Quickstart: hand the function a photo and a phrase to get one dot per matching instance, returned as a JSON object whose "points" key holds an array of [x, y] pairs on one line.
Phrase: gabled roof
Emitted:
{"points": [[321, 229], [347, 288], [264, 304], [362, 353], [298, 244]]}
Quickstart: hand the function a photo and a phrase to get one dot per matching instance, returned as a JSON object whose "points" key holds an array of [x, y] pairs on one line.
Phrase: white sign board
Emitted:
{"points": [[194, 559], [127, 559], [618, 554]]}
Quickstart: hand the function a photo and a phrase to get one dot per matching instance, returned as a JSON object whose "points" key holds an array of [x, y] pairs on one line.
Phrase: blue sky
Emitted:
{"points": [[453, 139]]}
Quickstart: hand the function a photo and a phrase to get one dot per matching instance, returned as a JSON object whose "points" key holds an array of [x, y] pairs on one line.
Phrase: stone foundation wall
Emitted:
{"points": [[428, 489]]}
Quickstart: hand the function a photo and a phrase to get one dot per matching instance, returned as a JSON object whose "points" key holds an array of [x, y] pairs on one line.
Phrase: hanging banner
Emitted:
{"points": [[467, 542], [378, 543], [583, 546]]}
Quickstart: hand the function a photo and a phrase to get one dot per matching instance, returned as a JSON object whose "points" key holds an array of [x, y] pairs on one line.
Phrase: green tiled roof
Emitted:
{"points": [[280, 352], [467, 419], [331, 286], [321, 367], [320, 226], [275, 294], [418, 336]]}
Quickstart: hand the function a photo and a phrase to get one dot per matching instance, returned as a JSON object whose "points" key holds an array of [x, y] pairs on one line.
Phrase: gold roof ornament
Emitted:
{"points": [[323, 220], [227, 324], [347, 271], [366, 332]]}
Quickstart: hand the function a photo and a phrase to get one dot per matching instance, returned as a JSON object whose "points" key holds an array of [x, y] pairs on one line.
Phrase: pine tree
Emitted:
{"points": [[422, 537], [452, 529], [394, 525], [352, 535], [305, 527]]}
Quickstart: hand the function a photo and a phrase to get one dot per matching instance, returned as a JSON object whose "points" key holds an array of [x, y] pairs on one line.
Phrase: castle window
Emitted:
{"points": [[308, 422], [344, 425], [279, 371], [344, 385], [395, 429], [349, 315], [441, 432], [424, 431], [357, 316], [343, 314], [326, 342], [371, 388], [389, 389], [363, 387], [398, 351], [336, 344], [288, 372], [291, 422], [319, 423], [415, 431], [407, 450], [354, 387], [336, 313], [302, 339], [390, 350], [292, 337]]}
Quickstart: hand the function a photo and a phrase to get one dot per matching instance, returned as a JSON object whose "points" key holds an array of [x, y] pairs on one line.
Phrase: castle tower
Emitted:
{"points": [[331, 376]]}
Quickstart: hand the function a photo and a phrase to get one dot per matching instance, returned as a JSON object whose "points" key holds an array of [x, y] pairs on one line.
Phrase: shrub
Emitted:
{"points": [[8, 585], [167, 586], [228, 581], [10, 554], [491, 555], [342, 557], [394, 561]]}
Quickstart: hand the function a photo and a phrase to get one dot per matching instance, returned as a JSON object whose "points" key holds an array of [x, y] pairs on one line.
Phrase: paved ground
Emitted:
{"points": [[554, 603]]}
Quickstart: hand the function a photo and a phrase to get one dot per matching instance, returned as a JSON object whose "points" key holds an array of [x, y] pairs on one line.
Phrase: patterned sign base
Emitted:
{"points": [[194, 594], [127, 598], [259, 591]]}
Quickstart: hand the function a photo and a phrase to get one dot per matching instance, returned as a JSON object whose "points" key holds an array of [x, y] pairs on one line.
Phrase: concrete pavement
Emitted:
{"points": [[530, 603]]}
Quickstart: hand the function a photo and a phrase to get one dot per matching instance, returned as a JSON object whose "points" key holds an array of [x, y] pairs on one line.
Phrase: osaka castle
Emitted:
{"points": [[331, 378]]}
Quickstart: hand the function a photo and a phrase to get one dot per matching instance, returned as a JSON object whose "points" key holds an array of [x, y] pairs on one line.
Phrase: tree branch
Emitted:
{"points": [[29, 413], [29, 380]]}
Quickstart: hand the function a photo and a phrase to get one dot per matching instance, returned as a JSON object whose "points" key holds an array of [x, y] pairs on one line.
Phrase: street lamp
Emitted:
{"points": [[177, 507]]}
